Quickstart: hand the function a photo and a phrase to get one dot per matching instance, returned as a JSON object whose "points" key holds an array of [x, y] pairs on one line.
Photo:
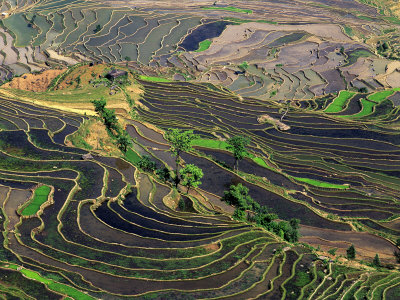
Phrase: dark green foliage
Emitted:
{"points": [[180, 141], [239, 214], [164, 174], [363, 90], [238, 196], [123, 141], [351, 252], [332, 251], [99, 105], [146, 164], [97, 29], [398, 242], [237, 145], [377, 261], [110, 120]]}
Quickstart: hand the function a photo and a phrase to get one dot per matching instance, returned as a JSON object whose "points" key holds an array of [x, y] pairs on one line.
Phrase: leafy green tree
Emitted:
{"points": [[191, 176], [377, 261], [180, 141], [238, 195], [351, 252], [110, 119], [294, 223], [398, 242], [147, 164], [123, 141], [99, 105], [238, 146], [239, 214], [164, 174]]}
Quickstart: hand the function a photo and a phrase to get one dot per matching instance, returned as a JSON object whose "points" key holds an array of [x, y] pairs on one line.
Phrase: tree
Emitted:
{"points": [[146, 164], [377, 261], [99, 105], [164, 174], [351, 252], [238, 195], [191, 176], [398, 242], [110, 119], [180, 141], [123, 141], [239, 214], [238, 146]]}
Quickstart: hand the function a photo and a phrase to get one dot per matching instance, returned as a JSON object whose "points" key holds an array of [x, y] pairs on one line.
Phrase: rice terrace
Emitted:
{"points": [[165, 149]]}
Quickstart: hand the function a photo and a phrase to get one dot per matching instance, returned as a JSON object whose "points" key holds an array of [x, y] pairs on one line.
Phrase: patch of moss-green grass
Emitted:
{"points": [[132, 156], [54, 286], [213, 144], [339, 102], [348, 30], [222, 145], [321, 183], [204, 45], [40, 196], [228, 8], [367, 108], [380, 96], [154, 78]]}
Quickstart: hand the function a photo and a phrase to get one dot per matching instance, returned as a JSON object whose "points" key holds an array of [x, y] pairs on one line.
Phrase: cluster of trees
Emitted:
{"points": [[181, 141], [111, 122], [248, 209], [190, 175]]}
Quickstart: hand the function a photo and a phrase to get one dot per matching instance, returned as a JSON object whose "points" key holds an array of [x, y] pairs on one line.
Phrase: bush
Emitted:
{"points": [[351, 252], [146, 164]]}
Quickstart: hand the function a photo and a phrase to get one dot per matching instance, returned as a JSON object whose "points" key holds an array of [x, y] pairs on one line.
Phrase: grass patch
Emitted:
{"points": [[380, 96], [348, 30], [339, 102], [213, 144], [204, 45], [132, 156], [40, 196], [321, 183], [54, 286], [222, 145], [154, 78], [228, 8]]}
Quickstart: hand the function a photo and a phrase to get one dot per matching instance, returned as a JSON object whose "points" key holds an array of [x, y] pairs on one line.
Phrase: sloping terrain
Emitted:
{"points": [[308, 49]]}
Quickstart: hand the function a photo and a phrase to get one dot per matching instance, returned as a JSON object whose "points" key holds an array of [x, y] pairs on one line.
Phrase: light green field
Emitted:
{"points": [[222, 145], [154, 79], [380, 96], [339, 102], [54, 286], [204, 45], [40, 196], [229, 8], [321, 183]]}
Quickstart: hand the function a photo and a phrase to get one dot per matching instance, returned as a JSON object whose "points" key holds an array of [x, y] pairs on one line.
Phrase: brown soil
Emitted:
{"points": [[211, 247], [98, 138], [34, 82]]}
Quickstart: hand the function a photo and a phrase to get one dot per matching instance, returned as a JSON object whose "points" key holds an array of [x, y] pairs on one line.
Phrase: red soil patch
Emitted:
{"points": [[34, 82]]}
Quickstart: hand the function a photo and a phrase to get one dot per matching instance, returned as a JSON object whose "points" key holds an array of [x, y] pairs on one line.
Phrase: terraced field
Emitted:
{"points": [[100, 227], [322, 51], [312, 86]]}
